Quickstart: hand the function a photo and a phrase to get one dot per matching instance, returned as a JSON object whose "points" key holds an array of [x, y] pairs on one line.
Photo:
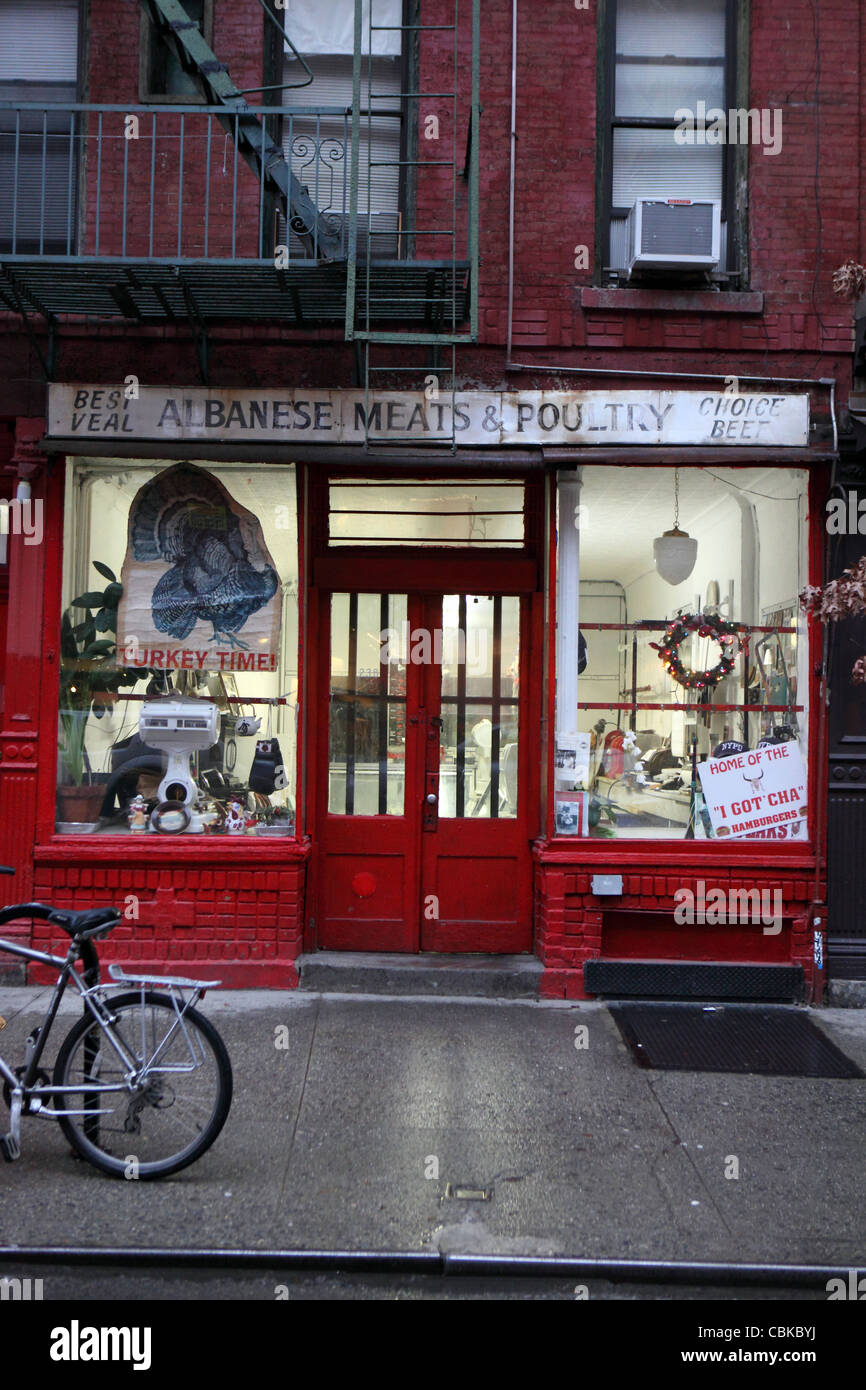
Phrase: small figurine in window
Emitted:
{"points": [[136, 815], [235, 818]]}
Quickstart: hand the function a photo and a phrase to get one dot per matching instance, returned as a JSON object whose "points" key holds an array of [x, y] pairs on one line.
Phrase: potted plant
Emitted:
{"points": [[89, 680]]}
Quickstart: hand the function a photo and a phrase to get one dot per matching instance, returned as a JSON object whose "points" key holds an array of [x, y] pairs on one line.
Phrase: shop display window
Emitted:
{"points": [[708, 664], [179, 649]]}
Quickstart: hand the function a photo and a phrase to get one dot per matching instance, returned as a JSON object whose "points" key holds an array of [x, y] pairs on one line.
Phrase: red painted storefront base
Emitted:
{"points": [[573, 925], [241, 921], [238, 919]]}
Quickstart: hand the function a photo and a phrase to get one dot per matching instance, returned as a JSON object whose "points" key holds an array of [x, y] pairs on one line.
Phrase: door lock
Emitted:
{"points": [[431, 798]]}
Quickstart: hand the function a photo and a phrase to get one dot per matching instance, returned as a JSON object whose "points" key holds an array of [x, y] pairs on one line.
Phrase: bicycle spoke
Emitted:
{"points": [[177, 1094]]}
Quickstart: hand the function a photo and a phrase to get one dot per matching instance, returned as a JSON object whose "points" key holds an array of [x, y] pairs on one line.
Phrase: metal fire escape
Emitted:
{"points": [[257, 149], [85, 237], [449, 297]]}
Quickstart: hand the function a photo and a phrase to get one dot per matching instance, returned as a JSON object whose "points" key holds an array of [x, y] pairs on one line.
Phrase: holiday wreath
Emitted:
{"points": [[678, 630]]}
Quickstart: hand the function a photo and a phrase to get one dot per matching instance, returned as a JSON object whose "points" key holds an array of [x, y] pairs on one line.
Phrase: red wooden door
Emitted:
{"points": [[425, 824]]}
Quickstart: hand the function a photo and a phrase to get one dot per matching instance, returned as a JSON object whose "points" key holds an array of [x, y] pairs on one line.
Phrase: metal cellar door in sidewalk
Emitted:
{"points": [[425, 822]]}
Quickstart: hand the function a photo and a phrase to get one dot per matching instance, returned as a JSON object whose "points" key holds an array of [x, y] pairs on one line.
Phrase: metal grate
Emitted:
{"points": [[156, 292], [694, 980], [678, 229], [729, 1038]]}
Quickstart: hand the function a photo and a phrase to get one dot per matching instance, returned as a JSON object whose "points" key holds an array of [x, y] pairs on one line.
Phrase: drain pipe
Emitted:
{"points": [[511, 181]]}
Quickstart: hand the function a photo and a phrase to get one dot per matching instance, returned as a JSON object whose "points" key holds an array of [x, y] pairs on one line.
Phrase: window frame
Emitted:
{"points": [[148, 37], [733, 274], [808, 737], [407, 177], [67, 496]]}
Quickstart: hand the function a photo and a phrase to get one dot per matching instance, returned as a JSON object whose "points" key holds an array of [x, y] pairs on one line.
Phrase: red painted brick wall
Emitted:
{"points": [[804, 206], [241, 923], [575, 926]]}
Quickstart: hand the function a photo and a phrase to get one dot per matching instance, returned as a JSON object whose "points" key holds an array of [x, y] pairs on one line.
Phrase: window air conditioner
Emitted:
{"points": [[674, 234]]}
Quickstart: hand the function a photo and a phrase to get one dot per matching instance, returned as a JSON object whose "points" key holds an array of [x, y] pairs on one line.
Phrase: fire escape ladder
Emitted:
{"points": [[442, 292], [266, 159]]}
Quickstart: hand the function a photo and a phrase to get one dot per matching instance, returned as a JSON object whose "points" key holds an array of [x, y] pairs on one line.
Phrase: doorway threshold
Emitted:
{"points": [[362, 972]]}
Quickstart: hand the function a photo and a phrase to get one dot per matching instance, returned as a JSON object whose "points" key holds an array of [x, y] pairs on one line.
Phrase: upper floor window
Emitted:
{"points": [[318, 145], [668, 79], [38, 149], [161, 75]]}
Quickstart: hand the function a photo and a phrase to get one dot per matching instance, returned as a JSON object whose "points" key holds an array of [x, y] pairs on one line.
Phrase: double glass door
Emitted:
{"points": [[423, 840]]}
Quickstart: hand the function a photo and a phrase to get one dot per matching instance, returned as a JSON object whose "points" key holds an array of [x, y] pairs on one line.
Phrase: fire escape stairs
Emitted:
{"points": [[264, 157]]}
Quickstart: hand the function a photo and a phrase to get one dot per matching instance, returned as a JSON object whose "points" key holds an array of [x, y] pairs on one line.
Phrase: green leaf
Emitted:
{"points": [[68, 643], [88, 600], [112, 596], [106, 620], [105, 571], [99, 648]]}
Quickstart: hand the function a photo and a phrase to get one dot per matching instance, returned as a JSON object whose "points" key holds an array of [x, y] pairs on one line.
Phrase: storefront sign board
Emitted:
{"points": [[497, 418]]}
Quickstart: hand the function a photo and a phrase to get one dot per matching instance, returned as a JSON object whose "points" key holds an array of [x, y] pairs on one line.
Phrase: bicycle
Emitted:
{"points": [[142, 1083]]}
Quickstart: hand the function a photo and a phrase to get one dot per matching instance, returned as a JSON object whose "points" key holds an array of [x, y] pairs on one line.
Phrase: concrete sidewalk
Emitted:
{"points": [[330, 1142]]}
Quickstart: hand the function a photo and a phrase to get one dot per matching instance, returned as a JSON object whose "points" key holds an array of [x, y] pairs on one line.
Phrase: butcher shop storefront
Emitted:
{"points": [[548, 692]]}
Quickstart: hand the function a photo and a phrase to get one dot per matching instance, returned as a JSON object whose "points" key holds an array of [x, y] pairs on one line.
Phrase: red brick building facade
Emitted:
{"points": [[573, 127]]}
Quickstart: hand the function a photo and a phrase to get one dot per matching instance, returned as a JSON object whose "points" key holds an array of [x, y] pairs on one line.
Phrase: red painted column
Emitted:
{"points": [[19, 734]]}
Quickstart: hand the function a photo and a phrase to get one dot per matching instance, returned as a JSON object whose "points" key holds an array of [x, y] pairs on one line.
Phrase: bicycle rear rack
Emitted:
{"points": [[166, 981]]}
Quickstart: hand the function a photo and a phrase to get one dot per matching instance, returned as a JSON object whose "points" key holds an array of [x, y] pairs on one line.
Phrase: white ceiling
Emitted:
{"points": [[624, 509]]}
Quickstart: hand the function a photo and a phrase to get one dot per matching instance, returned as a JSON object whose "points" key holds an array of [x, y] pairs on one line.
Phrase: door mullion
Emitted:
{"points": [[384, 712], [352, 704], [495, 706], [459, 791]]}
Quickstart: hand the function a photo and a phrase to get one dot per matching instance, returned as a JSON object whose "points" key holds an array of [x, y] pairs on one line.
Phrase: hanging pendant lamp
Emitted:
{"points": [[675, 551]]}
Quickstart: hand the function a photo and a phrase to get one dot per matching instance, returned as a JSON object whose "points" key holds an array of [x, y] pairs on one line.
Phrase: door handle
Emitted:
{"points": [[430, 806]]}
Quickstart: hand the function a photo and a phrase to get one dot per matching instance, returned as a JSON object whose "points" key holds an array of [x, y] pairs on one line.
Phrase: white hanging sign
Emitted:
{"points": [[498, 418]]}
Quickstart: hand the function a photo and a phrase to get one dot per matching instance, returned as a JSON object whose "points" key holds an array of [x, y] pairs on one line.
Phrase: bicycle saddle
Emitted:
{"points": [[76, 922]]}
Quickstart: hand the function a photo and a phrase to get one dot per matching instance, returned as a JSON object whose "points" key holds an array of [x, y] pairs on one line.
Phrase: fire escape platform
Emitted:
{"points": [[423, 293]]}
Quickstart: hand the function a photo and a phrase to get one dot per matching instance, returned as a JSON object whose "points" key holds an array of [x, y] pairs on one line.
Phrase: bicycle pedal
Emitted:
{"points": [[10, 1148]]}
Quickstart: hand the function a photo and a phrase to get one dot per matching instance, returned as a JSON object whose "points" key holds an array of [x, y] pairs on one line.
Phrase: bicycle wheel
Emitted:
{"points": [[162, 1120]]}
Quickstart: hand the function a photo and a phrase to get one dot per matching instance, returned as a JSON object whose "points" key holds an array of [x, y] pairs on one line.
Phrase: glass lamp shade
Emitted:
{"points": [[675, 554]]}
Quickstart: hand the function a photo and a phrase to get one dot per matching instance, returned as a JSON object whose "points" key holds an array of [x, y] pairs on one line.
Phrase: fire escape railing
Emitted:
{"points": [[197, 213], [451, 293], [242, 122], [107, 182]]}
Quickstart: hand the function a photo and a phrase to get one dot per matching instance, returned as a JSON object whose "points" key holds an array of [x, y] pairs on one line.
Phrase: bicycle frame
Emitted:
{"points": [[26, 1086]]}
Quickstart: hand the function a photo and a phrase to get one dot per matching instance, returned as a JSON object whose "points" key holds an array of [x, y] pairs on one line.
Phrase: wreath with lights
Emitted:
{"points": [[726, 634]]}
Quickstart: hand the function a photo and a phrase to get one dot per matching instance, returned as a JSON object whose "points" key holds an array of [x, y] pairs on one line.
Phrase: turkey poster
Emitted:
{"points": [[200, 589]]}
